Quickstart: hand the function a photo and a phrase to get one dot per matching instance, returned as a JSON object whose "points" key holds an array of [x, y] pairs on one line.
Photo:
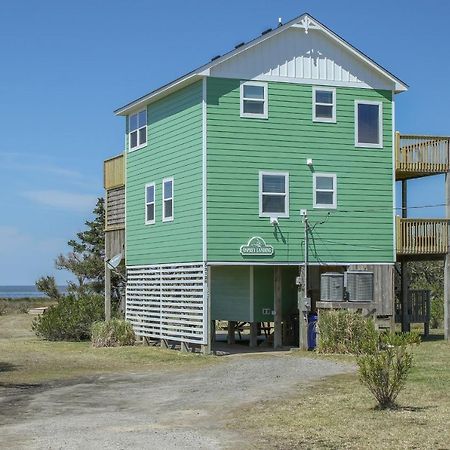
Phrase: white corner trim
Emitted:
{"points": [[204, 171], [380, 124]]}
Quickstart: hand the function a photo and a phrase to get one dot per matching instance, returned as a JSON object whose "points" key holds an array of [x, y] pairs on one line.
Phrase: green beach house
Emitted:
{"points": [[276, 156]]}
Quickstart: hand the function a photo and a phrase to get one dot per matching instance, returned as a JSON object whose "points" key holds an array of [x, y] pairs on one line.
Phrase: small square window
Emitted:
{"points": [[150, 203], [254, 99], [368, 124], [167, 199], [324, 104], [137, 126], [273, 194], [325, 190]]}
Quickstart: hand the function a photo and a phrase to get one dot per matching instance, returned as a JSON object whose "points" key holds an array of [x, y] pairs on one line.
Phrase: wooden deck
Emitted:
{"points": [[419, 155], [422, 236]]}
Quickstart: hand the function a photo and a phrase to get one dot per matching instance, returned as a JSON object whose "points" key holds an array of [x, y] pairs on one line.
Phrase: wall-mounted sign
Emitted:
{"points": [[256, 246]]}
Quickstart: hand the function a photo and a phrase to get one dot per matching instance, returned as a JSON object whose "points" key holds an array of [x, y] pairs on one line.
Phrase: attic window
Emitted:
{"points": [[324, 104], [137, 126], [254, 102]]}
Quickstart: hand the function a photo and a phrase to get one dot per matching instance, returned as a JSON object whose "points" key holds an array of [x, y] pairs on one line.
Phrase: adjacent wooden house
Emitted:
{"points": [[276, 156]]}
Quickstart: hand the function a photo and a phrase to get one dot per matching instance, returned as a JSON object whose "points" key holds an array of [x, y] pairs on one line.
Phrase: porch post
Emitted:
{"points": [[447, 264], [277, 340], [404, 267]]}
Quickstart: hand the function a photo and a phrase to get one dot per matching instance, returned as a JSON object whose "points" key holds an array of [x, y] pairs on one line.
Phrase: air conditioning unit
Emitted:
{"points": [[359, 285], [332, 287]]}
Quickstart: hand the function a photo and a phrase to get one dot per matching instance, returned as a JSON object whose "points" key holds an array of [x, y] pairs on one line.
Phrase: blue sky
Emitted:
{"points": [[67, 65]]}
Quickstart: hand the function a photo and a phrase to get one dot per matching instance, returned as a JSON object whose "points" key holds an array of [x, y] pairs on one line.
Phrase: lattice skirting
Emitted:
{"points": [[168, 301]]}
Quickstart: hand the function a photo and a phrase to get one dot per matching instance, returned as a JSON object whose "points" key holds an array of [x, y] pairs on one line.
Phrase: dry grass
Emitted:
{"points": [[24, 358], [340, 413]]}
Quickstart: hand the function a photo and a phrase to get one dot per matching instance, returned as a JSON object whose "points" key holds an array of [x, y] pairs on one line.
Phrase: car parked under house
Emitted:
{"points": [[279, 155]]}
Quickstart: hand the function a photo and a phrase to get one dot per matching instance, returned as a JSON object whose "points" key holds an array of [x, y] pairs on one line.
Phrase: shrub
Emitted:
{"points": [[386, 370], [346, 332], [3, 308], [113, 333], [71, 319]]}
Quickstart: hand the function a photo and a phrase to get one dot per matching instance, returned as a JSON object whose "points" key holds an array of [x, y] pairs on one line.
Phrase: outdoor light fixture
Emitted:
{"points": [[309, 162], [274, 221]]}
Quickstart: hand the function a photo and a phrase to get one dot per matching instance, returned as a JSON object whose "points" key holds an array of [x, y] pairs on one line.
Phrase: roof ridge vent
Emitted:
{"points": [[215, 57], [266, 31], [239, 45]]}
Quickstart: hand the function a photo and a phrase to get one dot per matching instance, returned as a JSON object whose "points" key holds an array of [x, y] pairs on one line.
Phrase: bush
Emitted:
{"points": [[71, 319], [113, 333], [346, 332], [386, 370]]}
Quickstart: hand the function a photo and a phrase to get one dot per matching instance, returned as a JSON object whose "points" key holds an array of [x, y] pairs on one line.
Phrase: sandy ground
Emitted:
{"points": [[160, 410]]}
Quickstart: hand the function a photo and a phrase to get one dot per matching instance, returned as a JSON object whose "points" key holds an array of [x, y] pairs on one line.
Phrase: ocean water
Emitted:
{"points": [[23, 291]]}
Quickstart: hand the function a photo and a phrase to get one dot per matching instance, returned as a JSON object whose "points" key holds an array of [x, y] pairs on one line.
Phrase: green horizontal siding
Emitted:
{"points": [[174, 136], [359, 230]]}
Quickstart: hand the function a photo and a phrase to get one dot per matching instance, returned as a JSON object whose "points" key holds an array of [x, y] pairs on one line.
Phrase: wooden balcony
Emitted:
{"points": [[114, 172], [114, 183], [417, 237], [418, 156]]}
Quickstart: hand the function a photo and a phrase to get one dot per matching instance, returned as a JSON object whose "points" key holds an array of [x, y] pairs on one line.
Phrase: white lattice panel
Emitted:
{"points": [[167, 301]]}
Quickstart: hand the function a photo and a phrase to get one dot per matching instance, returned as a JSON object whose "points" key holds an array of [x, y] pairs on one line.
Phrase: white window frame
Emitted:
{"points": [[314, 104], [169, 218], [380, 124], [137, 147], [286, 194], [334, 190], [263, 84], [150, 222]]}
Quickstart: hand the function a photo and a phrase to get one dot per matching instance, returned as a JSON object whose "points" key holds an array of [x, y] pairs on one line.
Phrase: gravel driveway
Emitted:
{"points": [[160, 410]]}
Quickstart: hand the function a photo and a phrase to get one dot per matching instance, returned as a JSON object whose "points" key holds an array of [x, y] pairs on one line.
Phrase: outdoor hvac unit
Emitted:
{"points": [[332, 287], [359, 284]]}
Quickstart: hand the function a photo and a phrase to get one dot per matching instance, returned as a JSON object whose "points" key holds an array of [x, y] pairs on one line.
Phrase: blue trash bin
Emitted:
{"points": [[312, 322]]}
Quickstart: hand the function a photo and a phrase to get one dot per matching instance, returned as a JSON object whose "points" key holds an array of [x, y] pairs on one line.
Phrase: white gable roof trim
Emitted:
{"points": [[288, 58]]}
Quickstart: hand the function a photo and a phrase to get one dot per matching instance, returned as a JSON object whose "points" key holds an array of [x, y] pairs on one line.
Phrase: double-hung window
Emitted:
{"points": [[324, 104], [167, 206], [149, 203], [325, 190], [254, 102], [368, 124], [137, 126], [273, 194]]}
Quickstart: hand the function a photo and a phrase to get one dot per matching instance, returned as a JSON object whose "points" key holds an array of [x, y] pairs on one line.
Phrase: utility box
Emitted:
{"points": [[332, 287], [359, 285]]}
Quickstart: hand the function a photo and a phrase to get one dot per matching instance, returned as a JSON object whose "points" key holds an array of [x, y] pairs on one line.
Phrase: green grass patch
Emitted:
{"points": [[339, 412]]}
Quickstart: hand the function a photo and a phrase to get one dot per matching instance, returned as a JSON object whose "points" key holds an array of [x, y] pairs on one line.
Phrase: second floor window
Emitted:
{"points": [[150, 203], [324, 104], [368, 124], [167, 199], [137, 126], [273, 194], [325, 190], [254, 102]]}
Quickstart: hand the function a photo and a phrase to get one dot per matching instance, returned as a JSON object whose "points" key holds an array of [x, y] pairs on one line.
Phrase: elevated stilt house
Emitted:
{"points": [[250, 185]]}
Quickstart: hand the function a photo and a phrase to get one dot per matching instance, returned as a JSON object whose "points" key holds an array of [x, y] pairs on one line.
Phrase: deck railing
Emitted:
{"points": [[422, 236], [114, 172], [418, 155]]}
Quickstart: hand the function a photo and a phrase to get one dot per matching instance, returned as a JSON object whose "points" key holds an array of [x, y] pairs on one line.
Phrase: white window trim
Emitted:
{"points": [[380, 124], [170, 218], [286, 189], [323, 119], [265, 114], [334, 191], [132, 149], [150, 222]]}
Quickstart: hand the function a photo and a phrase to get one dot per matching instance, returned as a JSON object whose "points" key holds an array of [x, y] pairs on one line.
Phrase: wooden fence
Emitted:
{"points": [[114, 172]]}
